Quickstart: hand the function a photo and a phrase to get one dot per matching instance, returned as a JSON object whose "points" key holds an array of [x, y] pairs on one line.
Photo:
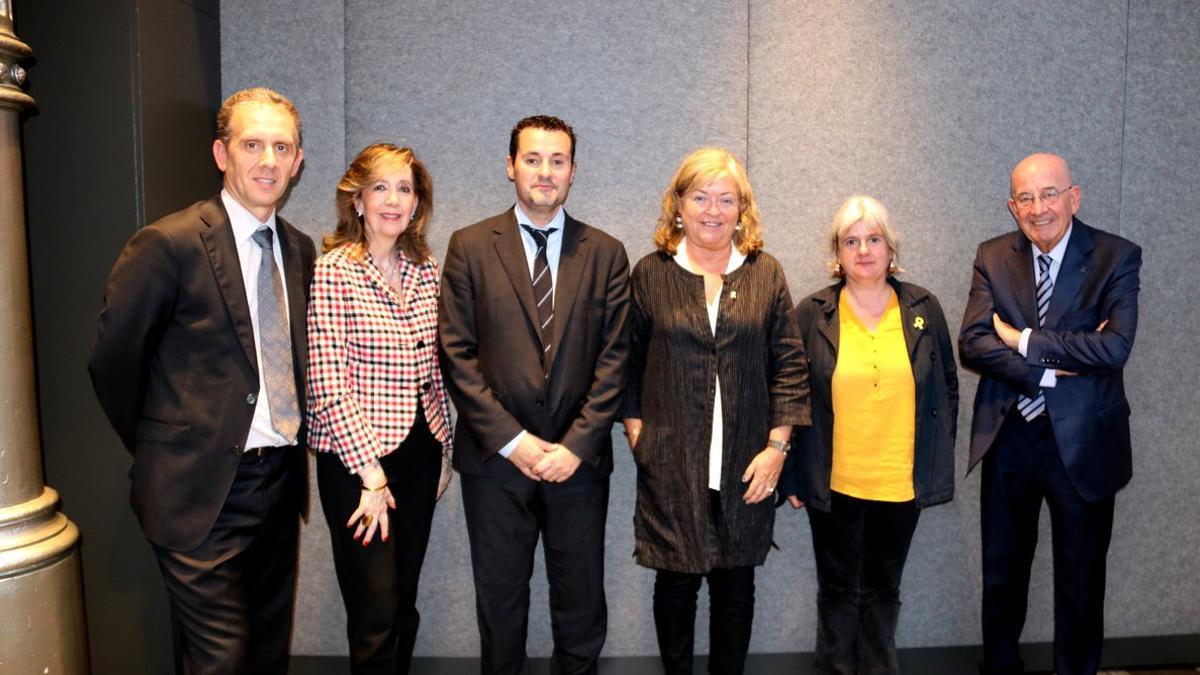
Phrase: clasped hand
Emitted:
{"points": [[542, 460]]}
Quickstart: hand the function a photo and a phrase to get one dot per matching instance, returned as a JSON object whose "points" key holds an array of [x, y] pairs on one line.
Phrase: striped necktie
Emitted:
{"points": [[1032, 407], [275, 342], [543, 286]]}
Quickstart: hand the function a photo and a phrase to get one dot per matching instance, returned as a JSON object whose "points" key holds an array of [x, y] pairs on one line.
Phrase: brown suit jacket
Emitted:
{"points": [[492, 353], [174, 366]]}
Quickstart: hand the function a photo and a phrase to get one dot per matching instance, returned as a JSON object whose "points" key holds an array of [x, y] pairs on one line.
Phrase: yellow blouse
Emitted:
{"points": [[874, 408]]}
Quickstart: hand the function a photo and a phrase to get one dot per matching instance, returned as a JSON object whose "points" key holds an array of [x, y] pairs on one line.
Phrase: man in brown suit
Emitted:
{"points": [[533, 338], [199, 364]]}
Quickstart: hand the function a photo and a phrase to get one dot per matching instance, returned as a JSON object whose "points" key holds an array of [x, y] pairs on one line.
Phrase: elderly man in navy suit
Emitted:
{"points": [[1049, 325]]}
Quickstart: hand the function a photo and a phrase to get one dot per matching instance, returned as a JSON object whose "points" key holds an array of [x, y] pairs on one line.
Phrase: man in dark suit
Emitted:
{"points": [[534, 345], [1049, 325], [199, 364]]}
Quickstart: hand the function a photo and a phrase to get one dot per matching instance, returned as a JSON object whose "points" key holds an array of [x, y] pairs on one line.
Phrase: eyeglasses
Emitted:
{"points": [[1049, 197]]}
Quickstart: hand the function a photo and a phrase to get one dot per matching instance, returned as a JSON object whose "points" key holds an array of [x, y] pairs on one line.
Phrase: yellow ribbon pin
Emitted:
{"points": [[919, 323]]}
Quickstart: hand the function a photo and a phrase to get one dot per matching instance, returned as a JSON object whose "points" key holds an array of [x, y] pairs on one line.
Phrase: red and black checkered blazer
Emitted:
{"points": [[372, 356]]}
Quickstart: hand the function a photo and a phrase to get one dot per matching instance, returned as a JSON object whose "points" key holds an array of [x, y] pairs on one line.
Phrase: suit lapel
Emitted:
{"points": [[915, 325], [1020, 268], [1076, 264], [371, 271], [571, 262], [511, 252], [223, 256], [829, 326]]}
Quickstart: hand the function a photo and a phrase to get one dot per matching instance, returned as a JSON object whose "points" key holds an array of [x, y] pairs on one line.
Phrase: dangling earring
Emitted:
{"points": [[414, 214], [738, 227], [359, 212], [678, 222], [837, 269], [892, 266]]}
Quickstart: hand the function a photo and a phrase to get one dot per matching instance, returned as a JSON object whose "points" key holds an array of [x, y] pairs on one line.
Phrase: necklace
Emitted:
{"points": [[389, 270]]}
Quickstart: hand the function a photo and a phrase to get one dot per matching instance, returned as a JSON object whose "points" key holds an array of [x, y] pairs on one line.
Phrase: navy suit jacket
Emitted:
{"points": [[1097, 282]]}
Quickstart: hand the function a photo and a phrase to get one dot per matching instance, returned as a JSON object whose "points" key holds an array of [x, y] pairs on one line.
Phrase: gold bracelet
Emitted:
{"points": [[374, 489]]}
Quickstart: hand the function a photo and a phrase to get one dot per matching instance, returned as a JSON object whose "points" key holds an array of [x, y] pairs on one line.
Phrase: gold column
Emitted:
{"points": [[41, 598]]}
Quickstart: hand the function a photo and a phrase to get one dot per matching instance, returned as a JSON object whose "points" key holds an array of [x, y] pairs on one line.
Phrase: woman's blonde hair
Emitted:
{"points": [[699, 168], [867, 210]]}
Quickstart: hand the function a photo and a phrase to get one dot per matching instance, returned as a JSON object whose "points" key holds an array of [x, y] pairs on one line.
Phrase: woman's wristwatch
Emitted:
{"points": [[782, 446]]}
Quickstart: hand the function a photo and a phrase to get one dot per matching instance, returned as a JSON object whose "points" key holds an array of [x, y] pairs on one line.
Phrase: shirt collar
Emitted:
{"points": [[736, 257], [1060, 249], [243, 222], [557, 222]]}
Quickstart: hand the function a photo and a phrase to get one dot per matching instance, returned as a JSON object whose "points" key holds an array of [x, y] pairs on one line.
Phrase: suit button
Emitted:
{"points": [[1003, 411], [251, 398], [540, 401], [933, 356], [420, 344], [237, 449], [934, 413], [426, 386]]}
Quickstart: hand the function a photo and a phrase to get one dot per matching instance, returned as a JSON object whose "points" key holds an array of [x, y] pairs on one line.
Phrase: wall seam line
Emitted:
{"points": [[1124, 115], [749, 8]]}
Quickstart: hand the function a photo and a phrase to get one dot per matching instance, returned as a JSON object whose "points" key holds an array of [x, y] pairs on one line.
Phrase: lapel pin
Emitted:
{"points": [[919, 323]]}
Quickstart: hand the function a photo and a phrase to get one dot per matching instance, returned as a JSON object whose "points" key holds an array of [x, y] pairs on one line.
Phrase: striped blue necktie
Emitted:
{"points": [[1032, 407]]}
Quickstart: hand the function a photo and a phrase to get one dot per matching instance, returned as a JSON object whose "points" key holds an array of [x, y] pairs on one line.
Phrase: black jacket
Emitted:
{"points": [[673, 366], [929, 348]]}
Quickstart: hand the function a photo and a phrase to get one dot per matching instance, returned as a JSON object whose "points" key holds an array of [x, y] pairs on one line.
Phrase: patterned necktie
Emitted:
{"points": [[1032, 407], [276, 343], [543, 285]]}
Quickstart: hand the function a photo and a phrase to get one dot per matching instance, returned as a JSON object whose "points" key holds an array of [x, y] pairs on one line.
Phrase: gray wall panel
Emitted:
{"points": [[296, 48], [1155, 542], [927, 107], [451, 80]]}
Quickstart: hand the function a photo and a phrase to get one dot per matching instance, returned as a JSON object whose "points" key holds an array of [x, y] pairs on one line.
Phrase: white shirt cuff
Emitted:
{"points": [[512, 445], [1049, 379], [1023, 343]]}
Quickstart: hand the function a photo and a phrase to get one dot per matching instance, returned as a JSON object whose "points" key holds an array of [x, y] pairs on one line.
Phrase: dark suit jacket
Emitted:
{"points": [[1098, 281], [492, 353], [810, 463], [174, 364]]}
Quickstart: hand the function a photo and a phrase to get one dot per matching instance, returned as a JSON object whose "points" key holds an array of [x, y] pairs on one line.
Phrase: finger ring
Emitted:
{"points": [[770, 490], [366, 521]]}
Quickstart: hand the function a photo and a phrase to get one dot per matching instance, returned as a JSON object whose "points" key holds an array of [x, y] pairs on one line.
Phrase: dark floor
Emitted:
{"points": [[1170, 655]]}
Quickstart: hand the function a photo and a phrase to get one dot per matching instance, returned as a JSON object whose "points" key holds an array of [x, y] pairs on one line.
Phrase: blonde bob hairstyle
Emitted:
{"points": [[868, 210], [367, 167], [698, 169]]}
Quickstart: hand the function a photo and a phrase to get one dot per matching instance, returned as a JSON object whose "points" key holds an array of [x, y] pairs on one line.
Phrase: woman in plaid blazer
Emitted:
{"points": [[378, 415]]}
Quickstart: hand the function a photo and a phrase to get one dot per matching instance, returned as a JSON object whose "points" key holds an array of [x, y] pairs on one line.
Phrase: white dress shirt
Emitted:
{"points": [[715, 445], [244, 225], [553, 252]]}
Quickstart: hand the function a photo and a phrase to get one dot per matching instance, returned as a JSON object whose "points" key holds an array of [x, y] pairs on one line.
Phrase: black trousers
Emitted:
{"points": [[1022, 469], [731, 613], [860, 547], [379, 581], [231, 596], [505, 517]]}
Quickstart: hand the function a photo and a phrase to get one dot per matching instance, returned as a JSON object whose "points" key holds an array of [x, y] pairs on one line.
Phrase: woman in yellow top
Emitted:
{"points": [[884, 393]]}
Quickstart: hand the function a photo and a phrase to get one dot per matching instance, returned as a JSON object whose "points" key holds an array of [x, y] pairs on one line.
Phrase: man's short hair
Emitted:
{"points": [[253, 95], [547, 122]]}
